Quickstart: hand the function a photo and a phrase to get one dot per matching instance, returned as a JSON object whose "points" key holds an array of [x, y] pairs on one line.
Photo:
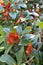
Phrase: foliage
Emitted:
{"points": [[20, 24]]}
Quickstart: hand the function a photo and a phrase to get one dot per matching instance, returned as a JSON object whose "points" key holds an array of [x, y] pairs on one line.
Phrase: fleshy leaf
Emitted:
{"points": [[19, 55], [7, 59]]}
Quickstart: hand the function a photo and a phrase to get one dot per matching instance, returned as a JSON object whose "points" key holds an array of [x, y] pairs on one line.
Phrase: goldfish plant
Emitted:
{"points": [[21, 22]]}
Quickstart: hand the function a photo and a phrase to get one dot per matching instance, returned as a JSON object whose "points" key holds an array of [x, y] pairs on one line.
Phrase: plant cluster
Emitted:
{"points": [[21, 22]]}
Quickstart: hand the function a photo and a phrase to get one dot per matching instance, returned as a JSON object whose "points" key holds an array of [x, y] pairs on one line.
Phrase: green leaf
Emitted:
{"points": [[11, 1], [26, 39], [23, 42], [40, 56], [19, 55], [18, 29], [14, 1], [23, 64], [21, 5], [2, 63], [7, 59], [13, 15], [2, 31], [26, 18], [5, 1], [2, 34], [1, 9], [1, 39], [20, 1], [34, 40], [8, 48], [36, 55], [40, 24], [13, 30], [1, 49], [26, 30], [29, 36]]}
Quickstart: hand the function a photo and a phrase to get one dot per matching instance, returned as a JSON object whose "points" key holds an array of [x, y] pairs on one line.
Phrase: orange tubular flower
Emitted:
{"points": [[29, 49], [27, 52], [12, 37], [8, 6]]}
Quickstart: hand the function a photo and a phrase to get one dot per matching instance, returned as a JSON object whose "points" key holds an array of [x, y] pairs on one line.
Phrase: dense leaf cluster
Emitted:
{"points": [[21, 22]]}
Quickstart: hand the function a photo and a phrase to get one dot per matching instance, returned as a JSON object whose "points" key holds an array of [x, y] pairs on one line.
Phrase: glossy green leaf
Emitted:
{"points": [[23, 64], [36, 55], [23, 42], [2, 34], [19, 55], [40, 24], [5, 1], [14, 1], [8, 48], [18, 29], [7, 59], [26, 39], [1, 49], [13, 15], [2, 63], [20, 1], [27, 30]]}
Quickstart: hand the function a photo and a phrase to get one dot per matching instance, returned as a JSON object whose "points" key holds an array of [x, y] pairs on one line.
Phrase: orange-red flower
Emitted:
{"points": [[8, 6], [12, 37], [27, 52], [29, 49]]}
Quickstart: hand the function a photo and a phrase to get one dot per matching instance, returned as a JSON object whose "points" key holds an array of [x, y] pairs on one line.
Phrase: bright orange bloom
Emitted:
{"points": [[8, 6], [12, 37], [29, 49], [27, 52]]}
